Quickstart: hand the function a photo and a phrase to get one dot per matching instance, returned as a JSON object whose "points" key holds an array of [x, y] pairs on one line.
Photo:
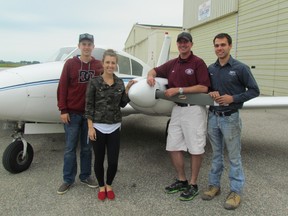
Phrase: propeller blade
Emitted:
{"points": [[197, 98]]}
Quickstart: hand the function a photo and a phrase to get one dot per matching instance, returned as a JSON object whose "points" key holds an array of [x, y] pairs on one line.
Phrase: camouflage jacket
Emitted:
{"points": [[103, 102]]}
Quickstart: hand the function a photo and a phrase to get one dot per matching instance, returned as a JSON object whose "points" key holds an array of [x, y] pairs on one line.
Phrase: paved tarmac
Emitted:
{"points": [[145, 169]]}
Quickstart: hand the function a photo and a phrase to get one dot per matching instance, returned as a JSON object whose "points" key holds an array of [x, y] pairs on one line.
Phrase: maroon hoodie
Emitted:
{"points": [[73, 83]]}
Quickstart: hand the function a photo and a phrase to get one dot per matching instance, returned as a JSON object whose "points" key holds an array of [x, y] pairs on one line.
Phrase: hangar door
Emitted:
{"points": [[263, 43]]}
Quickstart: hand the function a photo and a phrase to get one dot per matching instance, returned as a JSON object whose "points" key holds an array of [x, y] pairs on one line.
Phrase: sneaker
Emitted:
{"points": [[90, 182], [189, 193], [63, 188], [211, 192], [232, 201], [176, 186]]}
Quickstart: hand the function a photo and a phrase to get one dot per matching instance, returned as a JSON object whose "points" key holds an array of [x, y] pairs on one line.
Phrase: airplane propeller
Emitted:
{"points": [[145, 96]]}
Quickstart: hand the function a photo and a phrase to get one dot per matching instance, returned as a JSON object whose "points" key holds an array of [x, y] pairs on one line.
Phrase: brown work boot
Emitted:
{"points": [[211, 192], [232, 201]]}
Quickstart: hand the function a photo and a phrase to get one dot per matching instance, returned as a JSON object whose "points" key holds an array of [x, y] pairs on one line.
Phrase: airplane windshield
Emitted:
{"points": [[61, 54], [123, 61], [97, 53], [126, 65]]}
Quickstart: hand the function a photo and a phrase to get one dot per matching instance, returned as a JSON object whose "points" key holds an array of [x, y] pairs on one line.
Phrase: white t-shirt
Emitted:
{"points": [[107, 128]]}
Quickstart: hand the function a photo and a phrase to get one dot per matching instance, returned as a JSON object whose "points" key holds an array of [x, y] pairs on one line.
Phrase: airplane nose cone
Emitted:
{"points": [[143, 98], [13, 95], [142, 94]]}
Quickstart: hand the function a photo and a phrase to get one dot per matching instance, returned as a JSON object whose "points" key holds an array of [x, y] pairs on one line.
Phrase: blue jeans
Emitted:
{"points": [[221, 131], [76, 128]]}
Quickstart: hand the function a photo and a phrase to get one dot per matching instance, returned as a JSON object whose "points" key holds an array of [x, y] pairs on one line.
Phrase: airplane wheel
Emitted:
{"points": [[12, 157]]}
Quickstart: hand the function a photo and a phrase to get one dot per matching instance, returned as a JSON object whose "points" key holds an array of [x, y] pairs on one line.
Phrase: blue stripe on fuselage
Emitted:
{"points": [[23, 85], [45, 82]]}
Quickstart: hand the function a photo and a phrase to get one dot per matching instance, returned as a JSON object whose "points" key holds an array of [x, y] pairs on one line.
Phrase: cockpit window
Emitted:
{"points": [[136, 68], [61, 54], [96, 53], [124, 65]]}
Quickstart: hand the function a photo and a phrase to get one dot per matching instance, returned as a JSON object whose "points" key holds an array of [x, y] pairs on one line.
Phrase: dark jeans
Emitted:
{"points": [[77, 128], [111, 142]]}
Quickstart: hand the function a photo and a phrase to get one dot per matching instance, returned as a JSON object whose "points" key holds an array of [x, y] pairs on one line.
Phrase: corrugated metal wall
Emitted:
{"points": [[203, 37], [145, 42], [259, 30], [137, 42], [197, 12], [221, 17], [263, 43]]}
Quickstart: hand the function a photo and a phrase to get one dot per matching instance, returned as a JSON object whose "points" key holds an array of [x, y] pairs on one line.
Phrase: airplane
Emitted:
{"points": [[29, 101]]}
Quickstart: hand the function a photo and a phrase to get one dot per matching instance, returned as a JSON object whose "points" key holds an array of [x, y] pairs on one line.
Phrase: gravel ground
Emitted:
{"points": [[145, 169]]}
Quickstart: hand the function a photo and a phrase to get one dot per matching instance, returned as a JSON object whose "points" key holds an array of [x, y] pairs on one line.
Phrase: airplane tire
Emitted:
{"points": [[12, 157]]}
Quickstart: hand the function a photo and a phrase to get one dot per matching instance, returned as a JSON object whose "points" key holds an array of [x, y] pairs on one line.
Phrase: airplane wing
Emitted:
{"points": [[267, 102]]}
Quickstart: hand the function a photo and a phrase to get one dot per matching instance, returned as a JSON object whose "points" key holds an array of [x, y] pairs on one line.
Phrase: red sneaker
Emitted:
{"points": [[102, 195], [110, 195]]}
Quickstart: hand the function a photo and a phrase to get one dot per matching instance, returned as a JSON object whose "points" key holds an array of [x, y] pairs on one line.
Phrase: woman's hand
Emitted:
{"points": [[92, 134], [130, 83]]}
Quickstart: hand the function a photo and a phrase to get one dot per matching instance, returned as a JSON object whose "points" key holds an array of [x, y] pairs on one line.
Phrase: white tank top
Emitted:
{"points": [[107, 128]]}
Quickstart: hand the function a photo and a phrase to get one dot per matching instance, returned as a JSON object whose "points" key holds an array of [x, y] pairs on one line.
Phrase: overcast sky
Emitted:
{"points": [[35, 30]]}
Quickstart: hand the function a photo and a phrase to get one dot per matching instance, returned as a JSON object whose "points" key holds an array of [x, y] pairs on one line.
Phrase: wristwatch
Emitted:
{"points": [[180, 90]]}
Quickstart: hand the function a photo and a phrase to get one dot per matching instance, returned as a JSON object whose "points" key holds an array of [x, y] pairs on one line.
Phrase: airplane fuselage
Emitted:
{"points": [[29, 93]]}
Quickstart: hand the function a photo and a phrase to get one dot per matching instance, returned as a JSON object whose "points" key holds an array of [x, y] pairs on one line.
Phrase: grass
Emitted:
{"points": [[6, 65]]}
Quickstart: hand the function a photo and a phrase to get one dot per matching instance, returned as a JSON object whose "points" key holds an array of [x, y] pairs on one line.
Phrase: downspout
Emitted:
{"points": [[236, 35]]}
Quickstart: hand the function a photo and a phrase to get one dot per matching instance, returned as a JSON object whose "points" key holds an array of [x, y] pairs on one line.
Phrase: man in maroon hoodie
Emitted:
{"points": [[71, 102]]}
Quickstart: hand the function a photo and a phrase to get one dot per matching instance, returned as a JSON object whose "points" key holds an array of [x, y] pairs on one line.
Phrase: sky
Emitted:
{"points": [[34, 30]]}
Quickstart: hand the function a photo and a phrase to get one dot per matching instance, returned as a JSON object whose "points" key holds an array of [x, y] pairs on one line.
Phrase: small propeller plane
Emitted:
{"points": [[29, 101]]}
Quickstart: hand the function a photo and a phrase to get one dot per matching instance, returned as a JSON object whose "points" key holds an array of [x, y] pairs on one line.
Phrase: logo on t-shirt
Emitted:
{"points": [[84, 76], [232, 73], [189, 71]]}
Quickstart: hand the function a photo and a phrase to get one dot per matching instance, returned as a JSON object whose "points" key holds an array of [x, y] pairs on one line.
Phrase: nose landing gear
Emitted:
{"points": [[18, 156]]}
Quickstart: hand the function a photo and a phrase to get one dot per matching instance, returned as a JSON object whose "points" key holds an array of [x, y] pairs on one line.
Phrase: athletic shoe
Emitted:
{"points": [[90, 182], [189, 193], [211, 192], [232, 201], [176, 186], [63, 188]]}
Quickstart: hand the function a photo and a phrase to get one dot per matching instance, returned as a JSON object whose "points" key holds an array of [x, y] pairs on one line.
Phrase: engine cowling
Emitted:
{"points": [[143, 99]]}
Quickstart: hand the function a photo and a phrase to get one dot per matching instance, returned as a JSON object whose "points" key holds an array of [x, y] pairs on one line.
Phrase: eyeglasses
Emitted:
{"points": [[220, 45]]}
